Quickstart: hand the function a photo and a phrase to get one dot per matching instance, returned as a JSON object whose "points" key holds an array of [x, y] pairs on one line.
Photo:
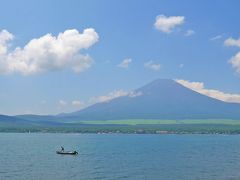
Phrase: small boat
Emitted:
{"points": [[67, 152]]}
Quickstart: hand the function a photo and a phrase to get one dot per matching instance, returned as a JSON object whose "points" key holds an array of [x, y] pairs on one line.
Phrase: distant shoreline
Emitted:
{"points": [[113, 133], [127, 129]]}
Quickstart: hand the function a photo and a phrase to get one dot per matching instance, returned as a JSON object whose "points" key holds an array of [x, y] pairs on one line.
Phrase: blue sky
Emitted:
{"points": [[123, 50]]}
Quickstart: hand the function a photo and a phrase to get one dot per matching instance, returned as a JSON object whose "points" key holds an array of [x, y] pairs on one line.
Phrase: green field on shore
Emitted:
{"points": [[170, 122], [208, 126]]}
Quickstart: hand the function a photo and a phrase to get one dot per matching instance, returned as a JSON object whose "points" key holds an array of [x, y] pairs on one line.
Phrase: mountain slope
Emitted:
{"points": [[28, 120], [12, 121], [160, 99]]}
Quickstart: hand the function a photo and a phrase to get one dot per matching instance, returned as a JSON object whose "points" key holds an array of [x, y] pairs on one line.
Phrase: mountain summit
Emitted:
{"points": [[160, 99]]}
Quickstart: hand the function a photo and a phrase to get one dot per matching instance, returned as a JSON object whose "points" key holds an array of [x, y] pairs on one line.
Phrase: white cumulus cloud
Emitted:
{"points": [[167, 24], [125, 63], [153, 66], [235, 61], [5, 37], [199, 87], [232, 42], [47, 53]]}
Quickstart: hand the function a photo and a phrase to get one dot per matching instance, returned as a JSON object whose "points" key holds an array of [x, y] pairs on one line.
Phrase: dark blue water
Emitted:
{"points": [[116, 156]]}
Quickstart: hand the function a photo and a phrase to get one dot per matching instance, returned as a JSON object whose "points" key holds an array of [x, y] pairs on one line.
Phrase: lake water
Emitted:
{"points": [[119, 156]]}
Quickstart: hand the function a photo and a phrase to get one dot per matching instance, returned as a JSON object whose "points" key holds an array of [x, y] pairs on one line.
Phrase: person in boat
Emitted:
{"points": [[62, 148], [75, 152]]}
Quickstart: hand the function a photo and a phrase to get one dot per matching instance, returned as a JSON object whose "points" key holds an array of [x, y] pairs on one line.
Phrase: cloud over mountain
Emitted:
{"points": [[199, 87], [162, 99], [114, 94], [47, 53]]}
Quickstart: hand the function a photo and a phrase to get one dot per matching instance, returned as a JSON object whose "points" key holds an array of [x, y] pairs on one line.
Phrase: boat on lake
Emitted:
{"points": [[67, 152]]}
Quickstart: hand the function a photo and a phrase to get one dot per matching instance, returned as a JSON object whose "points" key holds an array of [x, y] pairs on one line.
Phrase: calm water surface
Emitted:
{"points": [[119, 156]]}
